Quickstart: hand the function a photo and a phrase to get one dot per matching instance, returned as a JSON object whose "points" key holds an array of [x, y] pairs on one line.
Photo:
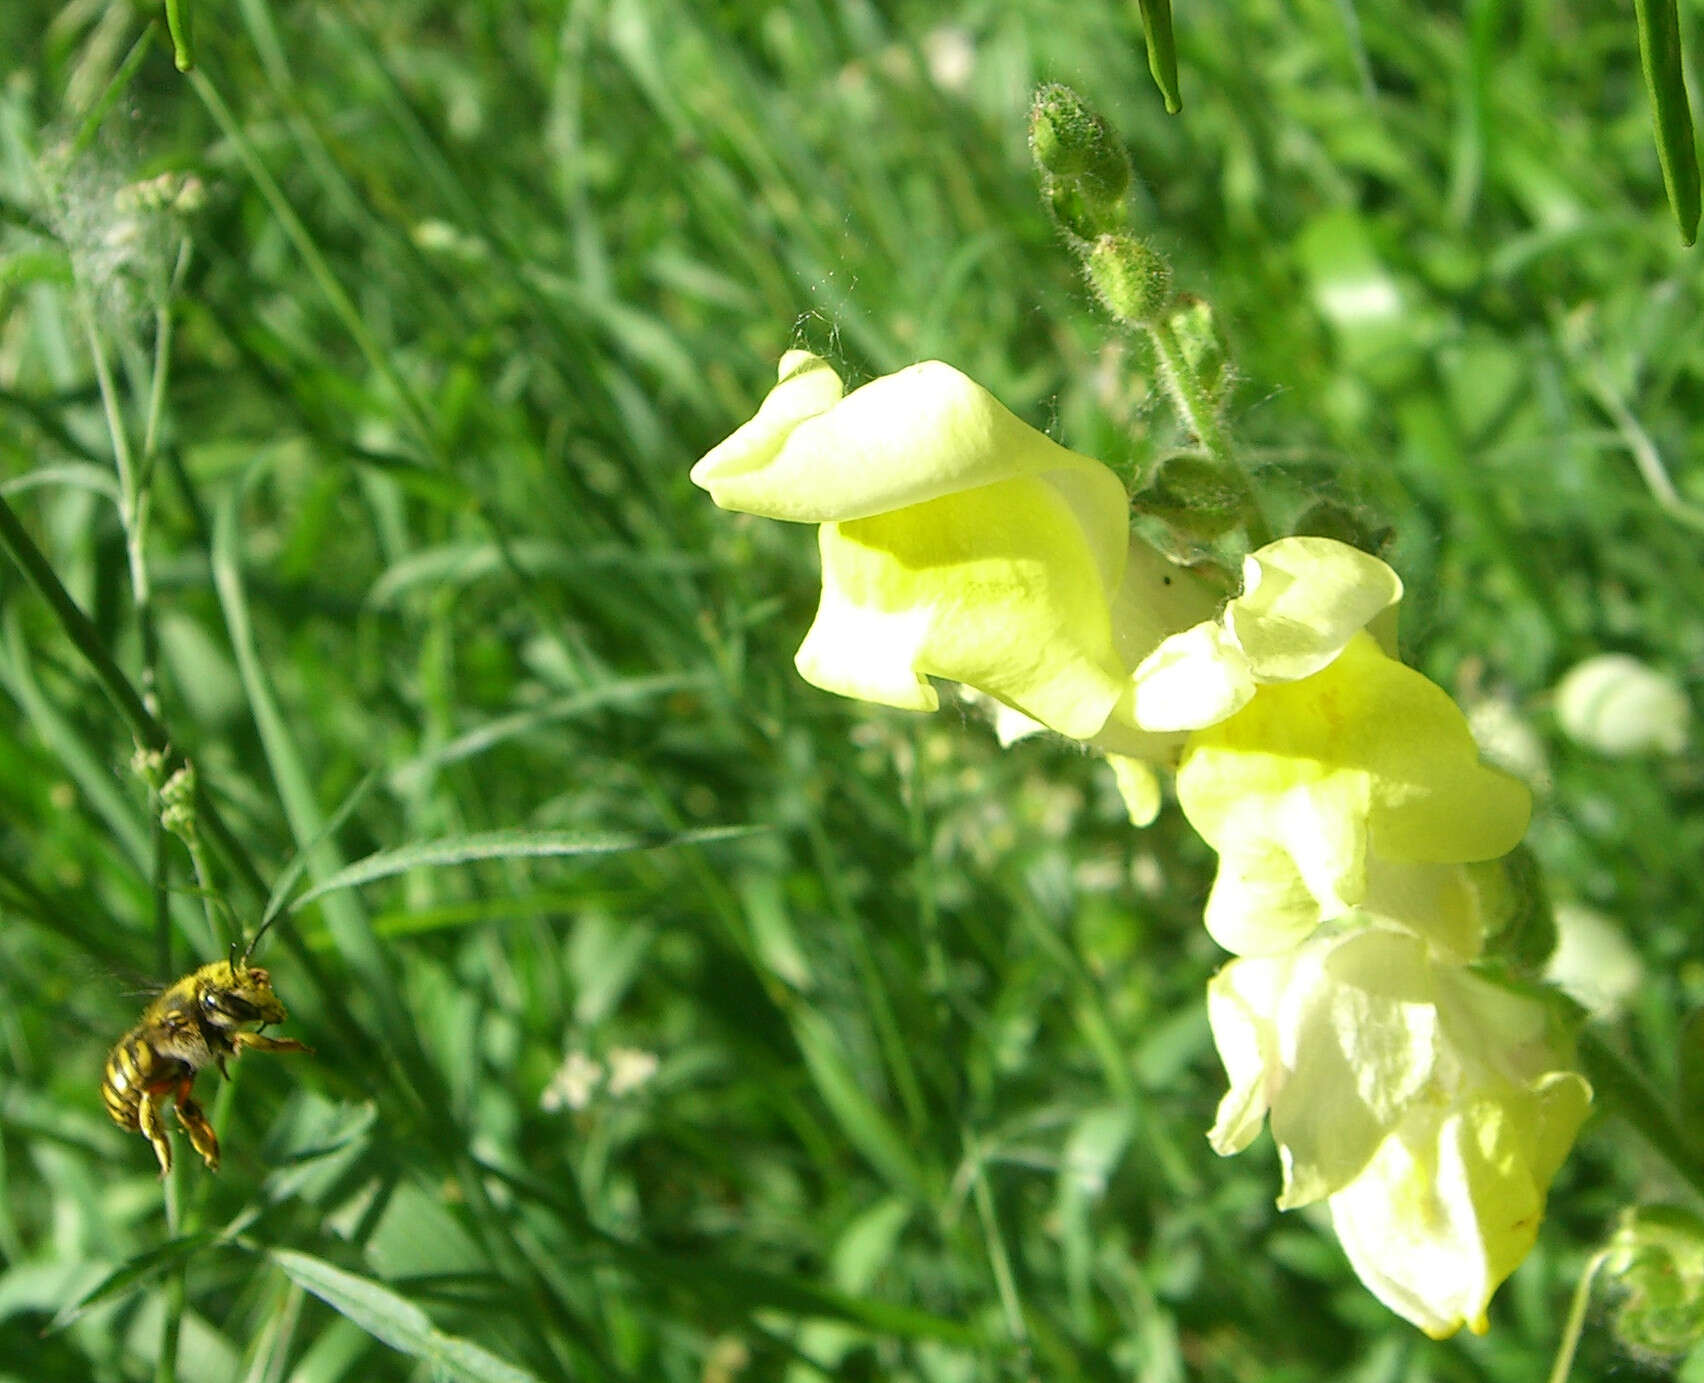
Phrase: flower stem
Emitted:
{"points": [[16, 542], [1187, 392], [1576, 1321], [1628, 1094], [1195, 404]]}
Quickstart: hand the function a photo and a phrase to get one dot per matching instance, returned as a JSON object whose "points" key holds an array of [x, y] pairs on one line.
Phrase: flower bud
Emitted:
{"points": [[1131, 279], [1657, 1258], [1082, 218], [1203, 348], [1195, 496], [1085, 172], [1070, 142], [1618, 706]]}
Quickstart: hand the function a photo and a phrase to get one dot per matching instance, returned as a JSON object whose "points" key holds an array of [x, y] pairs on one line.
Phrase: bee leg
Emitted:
{"points": [[154, 1130], [195, 1124], [260, 1042]]}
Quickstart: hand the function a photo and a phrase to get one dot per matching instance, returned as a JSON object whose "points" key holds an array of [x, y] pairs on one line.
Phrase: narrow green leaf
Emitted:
{"points": [[178, 25], [1659, 57], [89, 128], [1162, 51], [81, 475], [88, 766], [128, 1276], [394, 1320], [859, 1117], [740, 1291], [408, 776], [298, 865], [748, 1292], [284, 757], [25, 267], [504, 845], [463, 563]]}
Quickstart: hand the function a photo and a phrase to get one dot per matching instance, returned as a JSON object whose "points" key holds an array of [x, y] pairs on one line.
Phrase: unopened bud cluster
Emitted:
{"points": [[1085, 171]]}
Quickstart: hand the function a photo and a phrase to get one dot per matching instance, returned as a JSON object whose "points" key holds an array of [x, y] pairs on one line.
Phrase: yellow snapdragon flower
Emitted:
{"points": [[1328, 775], [1428, 1106], [958, 543]]}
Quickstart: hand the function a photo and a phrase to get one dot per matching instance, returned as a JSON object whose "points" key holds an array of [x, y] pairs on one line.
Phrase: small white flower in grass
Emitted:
{"points": [[1594, 963], [574, 1083], [630, 1068]]}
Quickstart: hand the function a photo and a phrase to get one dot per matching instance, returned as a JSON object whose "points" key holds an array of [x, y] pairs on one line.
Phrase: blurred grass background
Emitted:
{"points": [[470, 288]]}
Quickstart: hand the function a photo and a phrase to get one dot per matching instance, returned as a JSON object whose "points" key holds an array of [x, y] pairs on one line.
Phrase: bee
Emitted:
{"points": [[203, 1020]]}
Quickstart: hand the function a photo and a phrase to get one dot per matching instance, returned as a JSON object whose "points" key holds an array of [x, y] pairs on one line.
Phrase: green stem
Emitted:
{"points": [[1195, 405], [1623, 1091], [16, 542], [1576, 1321], [177, 1290], [1187, 392], [1005, 1283]]}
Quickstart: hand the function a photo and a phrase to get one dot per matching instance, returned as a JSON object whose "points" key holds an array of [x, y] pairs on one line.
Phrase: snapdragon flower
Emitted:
{"points": [[957, 543], [1428, 1106], [1328, 775]]}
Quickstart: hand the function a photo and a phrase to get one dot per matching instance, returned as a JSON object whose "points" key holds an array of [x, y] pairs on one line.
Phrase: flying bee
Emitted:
{"points": [[203, 1020]]}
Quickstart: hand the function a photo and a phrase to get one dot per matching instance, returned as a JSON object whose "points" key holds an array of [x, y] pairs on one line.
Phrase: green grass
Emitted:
{"points": [[471, 288]]}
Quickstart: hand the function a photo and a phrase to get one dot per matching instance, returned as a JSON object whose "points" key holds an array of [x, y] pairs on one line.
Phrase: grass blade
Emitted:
{"points": [[1659, 58], [130, 1275], [298, 865], [1162, 50], [506, 845], [395, 1321]]}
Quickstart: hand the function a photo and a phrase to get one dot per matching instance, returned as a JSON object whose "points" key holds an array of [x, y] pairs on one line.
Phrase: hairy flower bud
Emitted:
{"points": [[1131, 279]]}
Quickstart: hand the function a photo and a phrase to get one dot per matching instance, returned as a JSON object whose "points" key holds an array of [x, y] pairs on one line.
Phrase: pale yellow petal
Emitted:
{"points": [[996, 587], [1138, 785], [901, 440], [1193, 679], [1303, 599]]}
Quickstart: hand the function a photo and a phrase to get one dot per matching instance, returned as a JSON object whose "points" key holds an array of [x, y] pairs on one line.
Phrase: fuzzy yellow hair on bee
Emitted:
{"points": [[203, 1020]]}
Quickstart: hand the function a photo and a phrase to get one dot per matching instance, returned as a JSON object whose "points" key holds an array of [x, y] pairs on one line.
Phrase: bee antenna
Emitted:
{"points": [[259, 932]]}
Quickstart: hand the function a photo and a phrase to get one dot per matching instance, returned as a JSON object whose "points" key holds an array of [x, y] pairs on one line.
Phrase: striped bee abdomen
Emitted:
{"points": [[133, 1071]]}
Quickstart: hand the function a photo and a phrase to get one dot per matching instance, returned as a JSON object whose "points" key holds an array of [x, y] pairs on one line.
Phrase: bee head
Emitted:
{"points": [[235, 995]]}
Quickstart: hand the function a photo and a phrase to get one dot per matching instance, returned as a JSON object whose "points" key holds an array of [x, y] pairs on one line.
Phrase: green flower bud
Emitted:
{"points": [[1329, 518], [1073, 144], [1082, 218], [1203, 348], [1194, 496], [1131, 279], [1657, 1257], [1085, 171], [1520, 926]]}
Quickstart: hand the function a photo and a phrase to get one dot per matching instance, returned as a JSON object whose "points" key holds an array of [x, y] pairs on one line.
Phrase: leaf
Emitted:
{"points": [[505, 845], [460, 564], [294, 870], [1162, 50], [394, 1320], [1659, 58], [859, 1117], [407, 777], [128, 1276]]}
